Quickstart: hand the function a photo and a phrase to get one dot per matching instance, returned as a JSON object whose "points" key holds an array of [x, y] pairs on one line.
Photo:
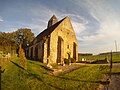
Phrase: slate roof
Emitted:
{"points": [[46, 32]]}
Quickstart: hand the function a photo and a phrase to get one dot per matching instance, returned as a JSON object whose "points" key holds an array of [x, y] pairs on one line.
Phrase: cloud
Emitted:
{"points": [[78, 22], [95, 17], [41, 17], [96, 23], [78, 27], [109, 25], [1, 20], [108, 31], [37, 28]]}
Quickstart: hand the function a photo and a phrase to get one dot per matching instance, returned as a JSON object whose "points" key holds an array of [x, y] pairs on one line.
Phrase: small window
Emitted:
{"points": [[68, 46]]}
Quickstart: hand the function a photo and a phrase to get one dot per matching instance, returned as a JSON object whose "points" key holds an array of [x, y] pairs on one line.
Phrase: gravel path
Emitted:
{"points": [[64, 69], [115, 80]]}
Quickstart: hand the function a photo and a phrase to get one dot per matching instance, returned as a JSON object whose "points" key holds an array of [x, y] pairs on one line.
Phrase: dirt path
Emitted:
{"points": [[115, 80], [64, 69]]}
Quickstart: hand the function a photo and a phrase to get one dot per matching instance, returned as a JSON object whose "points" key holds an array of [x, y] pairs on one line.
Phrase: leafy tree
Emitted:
{"points": [[28, 36], [9, 41]]}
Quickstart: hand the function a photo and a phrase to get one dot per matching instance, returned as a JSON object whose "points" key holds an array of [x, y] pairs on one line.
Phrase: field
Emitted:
{"points": [[36, 77], [115, 57]]}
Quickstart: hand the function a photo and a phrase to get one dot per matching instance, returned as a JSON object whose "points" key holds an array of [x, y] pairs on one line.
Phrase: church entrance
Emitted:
{"points": [[36, 52], [60, 50], [31, 53], [46, 50], [74, 50]]}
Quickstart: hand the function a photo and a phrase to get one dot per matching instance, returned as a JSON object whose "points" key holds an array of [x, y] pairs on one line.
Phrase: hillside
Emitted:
{"points": [[101, 56]]}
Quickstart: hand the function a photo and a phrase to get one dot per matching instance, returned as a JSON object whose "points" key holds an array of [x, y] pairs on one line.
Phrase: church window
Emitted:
{"points": [[68, 46]]}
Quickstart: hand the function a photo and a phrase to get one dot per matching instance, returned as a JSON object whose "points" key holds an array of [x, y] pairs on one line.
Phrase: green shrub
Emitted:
{"points": [[66, 61], [22, 57], [73, 60]]}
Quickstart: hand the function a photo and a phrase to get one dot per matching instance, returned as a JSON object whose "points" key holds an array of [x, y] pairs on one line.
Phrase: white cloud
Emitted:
{"points": [[87, 17], [37, 28], [78, 27], [1, 20], [94, 16], [41, 15], [78, 22], [109, 27]]}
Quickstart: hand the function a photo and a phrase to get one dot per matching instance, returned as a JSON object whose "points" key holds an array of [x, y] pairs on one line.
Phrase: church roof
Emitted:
{"points": [[46, 32], [53, 17]]}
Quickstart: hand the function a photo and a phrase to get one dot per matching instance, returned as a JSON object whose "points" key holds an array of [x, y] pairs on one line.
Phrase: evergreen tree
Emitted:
{"points": [[22, 57]]}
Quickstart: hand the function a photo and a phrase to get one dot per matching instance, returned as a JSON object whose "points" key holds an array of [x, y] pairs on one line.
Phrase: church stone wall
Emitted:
{"points": [[65, 31]]}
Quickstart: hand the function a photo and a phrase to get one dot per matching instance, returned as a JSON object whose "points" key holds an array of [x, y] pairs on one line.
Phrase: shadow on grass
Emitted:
{"points": [[35, 76], [42, 66], [17, 65], [115, 73], [46, 68], [112, 73], [33, 62], [88, 81], [41, 79], [57, 88]]}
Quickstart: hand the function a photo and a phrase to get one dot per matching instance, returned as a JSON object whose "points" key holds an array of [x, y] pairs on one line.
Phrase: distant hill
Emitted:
{"points": [[109, 53], [85, 54], [101, 56]]}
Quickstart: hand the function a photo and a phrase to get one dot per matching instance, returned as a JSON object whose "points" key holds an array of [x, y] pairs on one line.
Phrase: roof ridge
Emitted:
{"points": [[52, 26], [46, 31]]}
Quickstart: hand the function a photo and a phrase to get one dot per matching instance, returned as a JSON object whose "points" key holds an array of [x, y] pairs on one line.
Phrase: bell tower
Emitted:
{"points": [[52, 21]]}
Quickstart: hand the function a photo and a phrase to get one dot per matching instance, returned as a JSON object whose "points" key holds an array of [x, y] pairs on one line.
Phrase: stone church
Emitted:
{"points": [[54, 44]]}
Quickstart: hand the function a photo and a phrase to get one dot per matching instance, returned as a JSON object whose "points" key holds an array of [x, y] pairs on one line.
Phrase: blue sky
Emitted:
{"points": [[96, 22]]}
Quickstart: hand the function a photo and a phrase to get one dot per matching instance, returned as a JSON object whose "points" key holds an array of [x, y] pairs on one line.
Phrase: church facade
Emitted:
{"points": [[55, 43]]}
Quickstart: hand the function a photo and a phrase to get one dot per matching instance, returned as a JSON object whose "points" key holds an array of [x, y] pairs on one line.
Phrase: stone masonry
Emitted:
{"points": [[55, 43]]}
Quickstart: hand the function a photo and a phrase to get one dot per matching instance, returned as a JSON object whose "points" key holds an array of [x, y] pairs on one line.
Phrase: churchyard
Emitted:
{"points": [[37, 77]]}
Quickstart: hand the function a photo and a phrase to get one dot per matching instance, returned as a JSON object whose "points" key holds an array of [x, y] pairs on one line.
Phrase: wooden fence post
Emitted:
{"points": [[1, 75], [111, 61], [110, 64]]}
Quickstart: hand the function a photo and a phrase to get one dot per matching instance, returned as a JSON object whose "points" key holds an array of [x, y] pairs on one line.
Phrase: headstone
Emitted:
{"points": [[63, 64], [48, 65], [83, 59], [70, 63]]}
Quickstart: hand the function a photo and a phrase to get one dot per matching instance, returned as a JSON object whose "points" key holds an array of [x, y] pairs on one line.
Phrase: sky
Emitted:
{"points": [[96, 22]]}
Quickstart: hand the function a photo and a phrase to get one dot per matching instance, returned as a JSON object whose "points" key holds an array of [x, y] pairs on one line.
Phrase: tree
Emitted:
{"points": [[9, 41], [6, 45], [22, 57], [28, 36]]}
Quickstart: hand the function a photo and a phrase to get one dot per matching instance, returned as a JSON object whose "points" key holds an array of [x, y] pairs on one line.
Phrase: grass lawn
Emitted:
{"points": [[37, 78], [115, 57]]}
